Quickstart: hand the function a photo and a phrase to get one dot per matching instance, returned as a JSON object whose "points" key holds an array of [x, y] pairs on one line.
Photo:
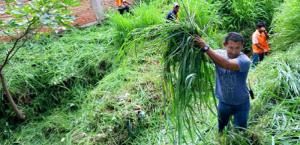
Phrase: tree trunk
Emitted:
{"points": [[19, 113], [98, 9]]}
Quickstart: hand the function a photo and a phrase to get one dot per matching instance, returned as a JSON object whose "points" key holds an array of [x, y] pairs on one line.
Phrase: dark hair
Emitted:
{"points": [[234, 36], [260, 24]]}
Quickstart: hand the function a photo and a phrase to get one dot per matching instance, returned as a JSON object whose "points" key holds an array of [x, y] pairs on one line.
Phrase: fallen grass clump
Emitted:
{"points": [[286, 25], [122, 107], [283, 68], [126, 102], [277, 88], [46, 72]]}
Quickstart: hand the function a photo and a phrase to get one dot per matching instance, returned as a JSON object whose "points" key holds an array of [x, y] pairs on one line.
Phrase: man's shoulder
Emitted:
{"points": [[244, 56], [244, 62], [256, 33]]}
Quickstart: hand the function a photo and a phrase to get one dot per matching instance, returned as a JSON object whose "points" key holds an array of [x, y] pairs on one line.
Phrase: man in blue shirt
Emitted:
{"points": [[173, 14], [232, 67]]}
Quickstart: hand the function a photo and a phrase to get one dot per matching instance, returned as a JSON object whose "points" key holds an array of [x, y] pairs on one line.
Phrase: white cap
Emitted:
{"points": [[176, 4]]}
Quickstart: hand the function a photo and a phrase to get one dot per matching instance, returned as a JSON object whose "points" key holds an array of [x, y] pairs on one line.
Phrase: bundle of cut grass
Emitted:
{"points": [[187, 82]]}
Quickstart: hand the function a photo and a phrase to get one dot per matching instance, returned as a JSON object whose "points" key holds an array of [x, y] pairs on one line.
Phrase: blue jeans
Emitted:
{"points": [[257, 58], [239, 112]]}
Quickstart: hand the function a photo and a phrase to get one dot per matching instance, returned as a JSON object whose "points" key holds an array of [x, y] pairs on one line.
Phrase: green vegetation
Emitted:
{"points": [[128, 80], [51, 68], [286, 25], [24, 23], [127, 90], [278, 92], [243, 15], [183, 74], [187, 80], [54, 74], [144, 16], [238, 15]]}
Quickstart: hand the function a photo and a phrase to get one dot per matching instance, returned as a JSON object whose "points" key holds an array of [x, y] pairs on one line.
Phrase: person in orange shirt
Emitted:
{"points": [[123, 6], [260, 46], [118, 3]]}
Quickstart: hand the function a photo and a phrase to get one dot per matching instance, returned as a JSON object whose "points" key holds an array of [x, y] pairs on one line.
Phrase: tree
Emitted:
{"points": [[25, 22]]}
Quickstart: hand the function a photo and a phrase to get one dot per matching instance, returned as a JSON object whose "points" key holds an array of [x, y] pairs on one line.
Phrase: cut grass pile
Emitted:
{"points": [[43, 72], [277, 86], [286, 24]]}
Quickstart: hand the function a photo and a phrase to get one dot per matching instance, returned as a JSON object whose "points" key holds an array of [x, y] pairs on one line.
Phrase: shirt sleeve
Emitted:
{"points": [[243, 63], [254, 39]]}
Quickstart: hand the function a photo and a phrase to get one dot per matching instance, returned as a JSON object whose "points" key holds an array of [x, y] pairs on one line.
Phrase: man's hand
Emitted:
{"points": [[200, 42], [266, 33]]}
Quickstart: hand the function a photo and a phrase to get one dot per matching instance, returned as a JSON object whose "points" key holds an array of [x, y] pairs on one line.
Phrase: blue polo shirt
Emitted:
{"points": [[231, 86]]}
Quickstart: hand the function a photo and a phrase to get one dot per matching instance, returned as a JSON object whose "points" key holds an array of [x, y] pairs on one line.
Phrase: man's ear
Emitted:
{"points": [[224, 43]]}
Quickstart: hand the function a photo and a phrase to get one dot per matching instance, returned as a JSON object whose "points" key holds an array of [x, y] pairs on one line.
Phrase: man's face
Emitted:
{"points": [[261, 29], [233, 48]]}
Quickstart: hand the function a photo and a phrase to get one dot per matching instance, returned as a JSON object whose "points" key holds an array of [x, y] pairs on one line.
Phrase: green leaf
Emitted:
{"points": [[72, 3]]}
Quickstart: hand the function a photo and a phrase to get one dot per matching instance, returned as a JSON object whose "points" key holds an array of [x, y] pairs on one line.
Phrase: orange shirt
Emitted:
{"points": [[118, 3], [261, 39]]}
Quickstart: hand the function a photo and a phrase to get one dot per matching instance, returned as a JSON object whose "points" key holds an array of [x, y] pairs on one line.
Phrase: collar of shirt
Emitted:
{"points": [[257, 32]]}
